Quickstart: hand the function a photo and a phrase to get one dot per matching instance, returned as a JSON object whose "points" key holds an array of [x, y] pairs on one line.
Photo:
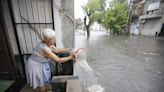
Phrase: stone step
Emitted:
{"points": [[73, 86], [59, 83], [63, 78]]}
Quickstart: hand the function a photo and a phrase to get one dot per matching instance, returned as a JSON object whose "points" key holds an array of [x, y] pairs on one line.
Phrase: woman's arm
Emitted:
{"points": [[55, 50], [64, 50], [48, 53]]}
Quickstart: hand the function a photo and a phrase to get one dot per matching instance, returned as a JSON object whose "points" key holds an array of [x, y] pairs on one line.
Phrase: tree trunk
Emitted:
{"points": [[88, 32], [87, 27]]}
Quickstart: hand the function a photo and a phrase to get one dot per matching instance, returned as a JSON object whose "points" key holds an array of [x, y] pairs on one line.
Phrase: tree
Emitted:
{"points": [[78, 23], [116, 17], [91, 9]]}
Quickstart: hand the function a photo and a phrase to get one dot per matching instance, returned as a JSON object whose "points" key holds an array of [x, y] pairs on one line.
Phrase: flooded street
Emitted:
{"points": [[125, 63]]}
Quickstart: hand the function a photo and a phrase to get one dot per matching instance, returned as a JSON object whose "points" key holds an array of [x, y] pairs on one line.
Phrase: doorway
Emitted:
{"points": [[162, 31], [7, 70]]}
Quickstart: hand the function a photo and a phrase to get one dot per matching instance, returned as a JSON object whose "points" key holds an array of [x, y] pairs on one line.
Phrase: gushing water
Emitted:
{"points": [[86, 74]]}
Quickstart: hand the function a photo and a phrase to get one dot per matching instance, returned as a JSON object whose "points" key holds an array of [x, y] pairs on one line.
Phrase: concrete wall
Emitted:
{"points": [[150, 27], [68, 26], [64, 25]]}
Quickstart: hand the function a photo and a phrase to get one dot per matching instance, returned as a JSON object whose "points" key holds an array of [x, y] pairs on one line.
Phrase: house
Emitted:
{"points": [[152, 19], [136, 8], [21, 24]]}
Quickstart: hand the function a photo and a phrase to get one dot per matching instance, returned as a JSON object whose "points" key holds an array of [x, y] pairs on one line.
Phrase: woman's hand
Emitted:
{"points": [[73, 57], [69, 49]]}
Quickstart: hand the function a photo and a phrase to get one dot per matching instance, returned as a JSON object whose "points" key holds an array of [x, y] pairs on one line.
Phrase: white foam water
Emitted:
{"points": [[86, 74]]}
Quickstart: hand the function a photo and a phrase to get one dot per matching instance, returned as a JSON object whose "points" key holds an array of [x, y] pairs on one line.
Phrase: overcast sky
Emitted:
{"points": [[79, 13]]}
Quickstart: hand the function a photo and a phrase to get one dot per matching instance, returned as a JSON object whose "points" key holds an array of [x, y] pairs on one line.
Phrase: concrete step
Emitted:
{"points": [[73, 86], [59, 83], [63, 78]]}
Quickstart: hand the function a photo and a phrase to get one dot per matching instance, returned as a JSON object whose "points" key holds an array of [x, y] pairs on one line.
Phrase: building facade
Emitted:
{"points": [[151, 22]]}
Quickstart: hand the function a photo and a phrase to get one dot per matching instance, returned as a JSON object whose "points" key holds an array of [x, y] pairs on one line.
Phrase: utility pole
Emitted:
{"points": [[129, 15]]}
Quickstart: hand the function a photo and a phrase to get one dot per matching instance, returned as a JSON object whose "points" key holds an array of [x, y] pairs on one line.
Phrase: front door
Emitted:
{"points": [[6, 63]]}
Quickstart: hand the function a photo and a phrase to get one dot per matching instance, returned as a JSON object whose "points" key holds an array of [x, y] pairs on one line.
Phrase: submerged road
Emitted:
{"points": [[125, 63]]}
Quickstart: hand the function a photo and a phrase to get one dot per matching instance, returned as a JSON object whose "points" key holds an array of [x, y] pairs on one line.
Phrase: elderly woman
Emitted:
{"points": [[38, 70]]}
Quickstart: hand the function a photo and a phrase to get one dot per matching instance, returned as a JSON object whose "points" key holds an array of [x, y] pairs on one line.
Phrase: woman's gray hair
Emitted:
{"points": [[48, 33]]}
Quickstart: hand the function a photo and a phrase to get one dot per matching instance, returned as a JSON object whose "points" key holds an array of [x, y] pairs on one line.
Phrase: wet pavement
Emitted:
{"points": [[125, 63]]}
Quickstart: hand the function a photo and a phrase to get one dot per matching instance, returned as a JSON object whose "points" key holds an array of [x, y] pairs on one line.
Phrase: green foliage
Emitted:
{"points": [[113, 18], [116, 16], [78, 23], [92, 10]]}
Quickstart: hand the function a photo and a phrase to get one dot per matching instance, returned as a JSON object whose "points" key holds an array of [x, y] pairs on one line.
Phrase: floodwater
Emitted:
{"points": [[125, 63]]}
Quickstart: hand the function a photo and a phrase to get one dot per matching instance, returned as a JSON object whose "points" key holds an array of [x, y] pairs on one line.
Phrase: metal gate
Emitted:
{"points": [[28, 16]]}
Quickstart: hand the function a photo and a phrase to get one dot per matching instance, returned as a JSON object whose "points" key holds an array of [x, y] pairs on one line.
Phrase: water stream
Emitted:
{"points": [[88, 80]]}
